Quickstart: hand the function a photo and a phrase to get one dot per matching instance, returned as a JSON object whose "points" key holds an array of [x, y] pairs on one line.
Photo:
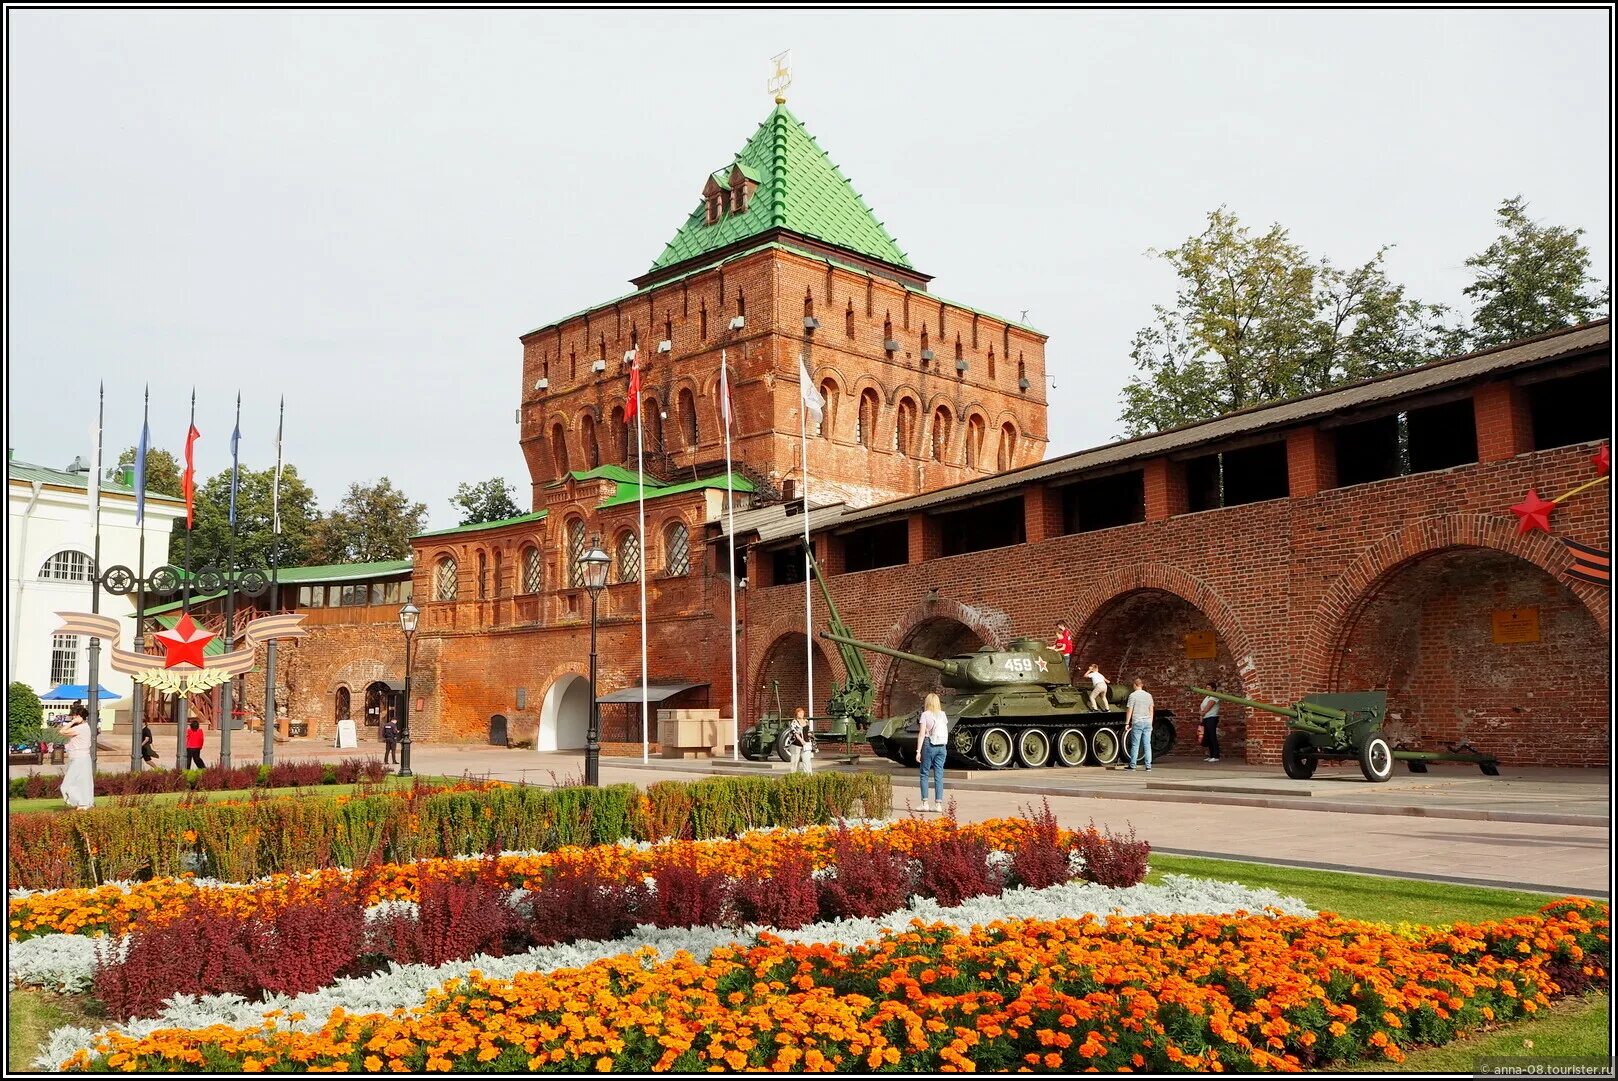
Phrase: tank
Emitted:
{"points": [[1013, 707]]}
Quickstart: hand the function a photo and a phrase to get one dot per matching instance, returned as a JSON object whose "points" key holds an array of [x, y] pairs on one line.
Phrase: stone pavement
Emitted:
{"points": [[1542, 829]]}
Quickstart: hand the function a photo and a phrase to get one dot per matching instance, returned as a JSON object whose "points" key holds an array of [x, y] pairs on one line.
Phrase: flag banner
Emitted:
{"points": [[1589, 564], [275, 495], [140, 471], [812, 401], [235, 462], [188, 484], [632, 406], [724, 395], [95, 484]]}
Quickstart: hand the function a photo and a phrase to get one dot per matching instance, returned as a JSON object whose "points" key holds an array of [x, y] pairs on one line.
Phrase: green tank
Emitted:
{"points": [[1013, 707]]}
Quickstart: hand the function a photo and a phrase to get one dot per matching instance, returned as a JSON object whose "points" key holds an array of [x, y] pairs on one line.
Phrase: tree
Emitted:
{"points": [[255, 537], [163, 471], [25, 717], [487, 501], [373, 522], [1256, 320], [1532, 279]]}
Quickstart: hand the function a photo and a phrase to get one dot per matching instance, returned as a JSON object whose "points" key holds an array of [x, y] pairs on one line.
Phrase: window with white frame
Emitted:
{"points": [[533, 569], [68, 566], [628, 557], [447, 580], [575, 552], [676, 550], [64, 658]]}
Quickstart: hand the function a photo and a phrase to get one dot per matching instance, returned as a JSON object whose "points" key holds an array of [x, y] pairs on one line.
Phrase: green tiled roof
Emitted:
{"points": [[615, 473], [799, 189], [628, 493], [27, 471], [212, 649], [533, 516]]}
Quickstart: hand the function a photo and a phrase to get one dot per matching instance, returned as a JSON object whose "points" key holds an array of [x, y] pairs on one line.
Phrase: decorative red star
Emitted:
{"points": [[1043, 667], [1602, 460], [1533, 513], [184, 644]]}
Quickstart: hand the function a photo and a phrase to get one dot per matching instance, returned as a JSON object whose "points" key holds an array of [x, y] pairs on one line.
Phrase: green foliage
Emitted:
{"points": [[255, 540], [373, 522], [1531, 279], [25, 717], [487, 501], [1257, 320], [163, 471]]}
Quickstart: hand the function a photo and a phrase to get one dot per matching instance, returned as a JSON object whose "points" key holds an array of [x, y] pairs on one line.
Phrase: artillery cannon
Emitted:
{"points": [[1348, 726], [1012, 707]]}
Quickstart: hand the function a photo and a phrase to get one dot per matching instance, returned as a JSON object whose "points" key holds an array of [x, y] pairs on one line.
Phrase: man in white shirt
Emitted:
{"points": [[1138, 718]]}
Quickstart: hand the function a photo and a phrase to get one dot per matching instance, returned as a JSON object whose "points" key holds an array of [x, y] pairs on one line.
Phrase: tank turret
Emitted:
{"points": [[1026, 662]]}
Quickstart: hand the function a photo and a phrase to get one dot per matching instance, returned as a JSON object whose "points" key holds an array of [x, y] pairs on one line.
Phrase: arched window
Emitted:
{"points": [[848, 320], [865, 428], [345, 702], [828, 411], [588, 442], [688, 417], [575, 549], [808, 305], [620, 436], [483, 576], [533, 569], [904, 428], [68, 566], [676, 550], [991, 363], [651, 426], [559, 448], [941, 423], [974, 441], [446, 579], [1008, 446], [628, 557]]}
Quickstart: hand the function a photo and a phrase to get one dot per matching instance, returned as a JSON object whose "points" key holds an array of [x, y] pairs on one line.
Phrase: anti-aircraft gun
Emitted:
{"points": [[1012, 707], [1348, 726]]}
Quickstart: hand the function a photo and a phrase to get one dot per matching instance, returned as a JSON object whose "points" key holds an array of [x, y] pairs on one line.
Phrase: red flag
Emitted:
{"points": [[190, 480], [633, 406]]}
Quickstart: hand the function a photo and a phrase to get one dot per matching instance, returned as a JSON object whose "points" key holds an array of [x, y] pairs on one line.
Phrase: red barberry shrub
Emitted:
{"points": [[203, 951], [954, 867], [684, 896], [455, 919], [784, 897], [1040, 860], [578, 902], [219, 779], [870, 878], [1113, 859], [372, 771], [297, 774], [305, 946]]}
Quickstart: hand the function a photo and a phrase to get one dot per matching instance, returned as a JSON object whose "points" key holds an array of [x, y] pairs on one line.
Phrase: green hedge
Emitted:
{"points": [[238, 842], [25, 716]]}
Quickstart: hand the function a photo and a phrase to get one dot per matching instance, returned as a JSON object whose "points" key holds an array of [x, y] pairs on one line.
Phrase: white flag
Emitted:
{"points": [[95, 487], [812, 401], [724, 392]]}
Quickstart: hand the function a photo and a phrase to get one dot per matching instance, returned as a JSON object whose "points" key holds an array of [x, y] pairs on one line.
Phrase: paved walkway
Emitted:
{"points": [[1538, 829]]}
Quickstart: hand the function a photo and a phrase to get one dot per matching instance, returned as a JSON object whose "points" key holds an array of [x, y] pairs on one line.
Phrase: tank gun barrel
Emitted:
{"points": [[949, 668]]}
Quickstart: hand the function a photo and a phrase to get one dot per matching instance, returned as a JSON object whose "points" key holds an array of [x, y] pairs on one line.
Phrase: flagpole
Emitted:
{"points": [[227, 693], [137, 714], [640, 499], [182, 701], [94, 492], [275, 594], [808, 596], [730, 511]]}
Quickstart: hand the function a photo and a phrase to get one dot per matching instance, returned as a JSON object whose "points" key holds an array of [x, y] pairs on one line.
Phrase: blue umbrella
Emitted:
{"points": [[69, 692]]}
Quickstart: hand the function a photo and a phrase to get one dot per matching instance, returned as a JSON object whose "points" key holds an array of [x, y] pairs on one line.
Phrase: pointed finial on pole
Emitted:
{"points": [[780, 76]]}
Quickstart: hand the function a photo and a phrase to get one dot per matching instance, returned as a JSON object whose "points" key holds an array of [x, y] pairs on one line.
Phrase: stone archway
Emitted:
{"points": [[786, 662], [564, 716], [905, 685], [1457, 635]]}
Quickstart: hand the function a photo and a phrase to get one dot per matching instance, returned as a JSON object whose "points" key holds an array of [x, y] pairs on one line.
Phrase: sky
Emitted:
{"points": [[362, 211]]}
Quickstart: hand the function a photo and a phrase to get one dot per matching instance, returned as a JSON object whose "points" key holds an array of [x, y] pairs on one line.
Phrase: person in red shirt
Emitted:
{"points": [[1064, 641], [193, 746]]}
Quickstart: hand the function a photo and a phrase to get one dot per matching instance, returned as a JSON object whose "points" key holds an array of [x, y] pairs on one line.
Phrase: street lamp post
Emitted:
{"points": [[408, 615], [593, 566]]}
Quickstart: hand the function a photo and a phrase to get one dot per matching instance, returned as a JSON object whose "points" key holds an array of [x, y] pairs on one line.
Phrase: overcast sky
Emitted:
{"points": [[364, 210]]}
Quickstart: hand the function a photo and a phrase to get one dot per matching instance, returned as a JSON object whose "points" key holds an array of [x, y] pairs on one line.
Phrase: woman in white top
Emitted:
{"points": [[932, 745], [79, 785], [801, 742]]}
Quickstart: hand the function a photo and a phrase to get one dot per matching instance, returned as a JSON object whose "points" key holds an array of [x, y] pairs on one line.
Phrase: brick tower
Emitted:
{"points": [[782, 262]]}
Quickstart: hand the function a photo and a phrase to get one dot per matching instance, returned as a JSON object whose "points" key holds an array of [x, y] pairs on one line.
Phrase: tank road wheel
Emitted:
{"points": [[1296, 757], [907, 757], [994, 748], [960, 741], [1106, 745], [1162, 737], [781, 750], [1376, 759], [1033, 748], [1071, 747]]}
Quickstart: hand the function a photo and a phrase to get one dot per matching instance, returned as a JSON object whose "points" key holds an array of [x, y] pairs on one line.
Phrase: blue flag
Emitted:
{"points": [[235, 469], [140, 472]]}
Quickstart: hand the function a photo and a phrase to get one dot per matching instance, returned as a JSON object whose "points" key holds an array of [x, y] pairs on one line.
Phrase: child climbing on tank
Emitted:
{"points": [[1098, 687]]}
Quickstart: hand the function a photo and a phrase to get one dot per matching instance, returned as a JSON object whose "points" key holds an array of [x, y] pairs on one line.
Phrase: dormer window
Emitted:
{"points": [[715, 205]]}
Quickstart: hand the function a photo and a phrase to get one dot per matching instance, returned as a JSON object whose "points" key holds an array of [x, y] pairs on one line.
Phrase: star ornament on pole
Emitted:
{"points": [[1533, 513], [184, 644], [1602, 460]]}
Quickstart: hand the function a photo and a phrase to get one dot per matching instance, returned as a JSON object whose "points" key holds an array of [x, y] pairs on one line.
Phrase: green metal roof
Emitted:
{"points": [[329, 572], [799, 189], [615, 473], [213, 649], [26, 471], [629, 492], [533, 516]]}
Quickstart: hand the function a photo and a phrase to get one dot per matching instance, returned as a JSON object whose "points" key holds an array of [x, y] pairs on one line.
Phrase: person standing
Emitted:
{"points": [[390, 740], [1138, 716], [148, 751], [193, 745], [801, 742], [79, 783], [1210, 723], [933, 744]]}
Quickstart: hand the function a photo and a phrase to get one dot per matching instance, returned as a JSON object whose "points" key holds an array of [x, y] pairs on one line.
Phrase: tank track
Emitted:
{"points": [[1013, 743]]}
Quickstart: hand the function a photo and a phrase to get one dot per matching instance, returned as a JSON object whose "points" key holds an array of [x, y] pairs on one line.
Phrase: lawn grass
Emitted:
{"points": [[1365, 897], [32, 1015], [21, 806], [1572, 1028]]}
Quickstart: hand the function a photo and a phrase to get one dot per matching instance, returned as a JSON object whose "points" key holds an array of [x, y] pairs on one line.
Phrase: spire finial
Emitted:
{"points": [[780, 77]]}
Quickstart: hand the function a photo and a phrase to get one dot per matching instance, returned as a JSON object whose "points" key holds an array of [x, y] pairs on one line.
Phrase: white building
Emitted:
{"points": [[49, 542]]}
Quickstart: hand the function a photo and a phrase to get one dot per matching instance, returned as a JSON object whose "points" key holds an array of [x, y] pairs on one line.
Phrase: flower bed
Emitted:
{"points": [[149, 782], [243, 842], [1149, 993]]}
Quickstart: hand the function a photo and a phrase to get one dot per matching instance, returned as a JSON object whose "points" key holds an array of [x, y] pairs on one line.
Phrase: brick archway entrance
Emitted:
{"points": [[786, 663], [905, 685], [564, 716]]}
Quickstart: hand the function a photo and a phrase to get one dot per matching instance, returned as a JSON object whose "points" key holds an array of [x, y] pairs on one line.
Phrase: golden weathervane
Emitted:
{"points": [[780, 77]]}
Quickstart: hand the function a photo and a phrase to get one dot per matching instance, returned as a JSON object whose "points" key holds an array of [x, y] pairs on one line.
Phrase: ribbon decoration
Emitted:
{"points": [[149, 669]]}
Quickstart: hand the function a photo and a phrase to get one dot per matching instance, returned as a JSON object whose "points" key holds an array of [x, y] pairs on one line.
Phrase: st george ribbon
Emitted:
{"points": [[185, 670]]}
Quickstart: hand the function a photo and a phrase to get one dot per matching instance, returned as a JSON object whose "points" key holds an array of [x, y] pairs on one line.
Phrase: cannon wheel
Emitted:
{"points": [[1295, 757], [781, 750], [747, 750], [1162, 737], [1376, 759], [995, 748], [1071, 747], [1033, 748], [1106, 745]]}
